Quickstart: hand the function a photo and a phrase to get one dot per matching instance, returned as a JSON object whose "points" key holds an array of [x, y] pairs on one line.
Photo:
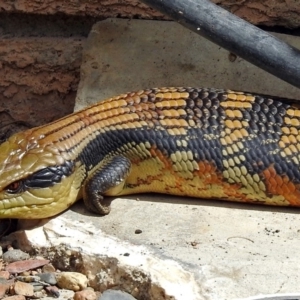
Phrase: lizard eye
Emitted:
{"points": [[14, 187]]}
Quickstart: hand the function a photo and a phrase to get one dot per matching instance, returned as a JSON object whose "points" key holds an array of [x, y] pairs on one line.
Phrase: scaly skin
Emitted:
{"points": [[203, 143]]}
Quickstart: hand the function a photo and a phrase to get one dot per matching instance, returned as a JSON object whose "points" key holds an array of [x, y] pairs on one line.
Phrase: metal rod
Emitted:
{"points": [[236, 35]]}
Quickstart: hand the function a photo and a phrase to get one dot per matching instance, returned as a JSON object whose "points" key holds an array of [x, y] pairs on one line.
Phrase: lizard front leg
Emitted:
{"points": [[110, 174]]}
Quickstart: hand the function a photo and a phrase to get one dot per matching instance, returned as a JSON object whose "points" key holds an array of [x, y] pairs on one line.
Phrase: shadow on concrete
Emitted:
{"points": [[80, 208]]}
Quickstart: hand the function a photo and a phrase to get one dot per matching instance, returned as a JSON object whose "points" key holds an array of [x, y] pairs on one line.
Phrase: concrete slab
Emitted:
{"points": [[126, 55], [233, 251]]}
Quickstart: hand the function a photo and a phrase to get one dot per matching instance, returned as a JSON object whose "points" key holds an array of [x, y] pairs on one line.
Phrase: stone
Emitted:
{"points": [[87, 294], [4, 286], [21, 266], [25, 273], [48, 268], [14, 255], [48, 278], [37, 286], [72, 281], [53, 291], [115, 295], [23, 288]]}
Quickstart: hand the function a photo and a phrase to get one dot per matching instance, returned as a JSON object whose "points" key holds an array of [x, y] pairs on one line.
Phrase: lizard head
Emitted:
{"points": [[36, 180]]}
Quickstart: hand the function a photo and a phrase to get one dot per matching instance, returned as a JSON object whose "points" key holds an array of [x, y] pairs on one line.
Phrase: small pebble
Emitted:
{"points": [[37, 286], [48, 277], [71, 281], [87, 294], [14, 255], [48, 269], [115, 295], [28, 278], [23, 288], [138, 231], [53, 291], [26, 273]]}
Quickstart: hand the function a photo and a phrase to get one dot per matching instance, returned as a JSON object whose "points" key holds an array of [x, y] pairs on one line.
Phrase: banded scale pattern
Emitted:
{"points": [[198, 142]]}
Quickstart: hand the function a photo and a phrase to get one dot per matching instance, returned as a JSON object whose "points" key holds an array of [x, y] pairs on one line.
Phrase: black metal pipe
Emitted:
{"points": [[236, 35]]}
